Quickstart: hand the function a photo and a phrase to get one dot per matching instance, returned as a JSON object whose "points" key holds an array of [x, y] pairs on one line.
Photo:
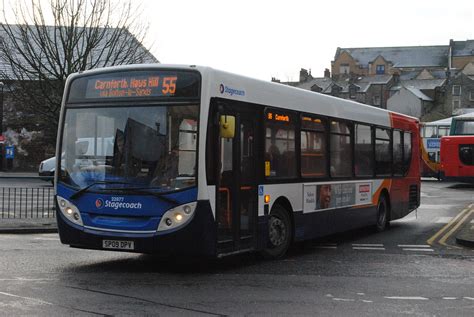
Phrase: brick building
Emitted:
{"points": [[460, 90], [433, 81]]}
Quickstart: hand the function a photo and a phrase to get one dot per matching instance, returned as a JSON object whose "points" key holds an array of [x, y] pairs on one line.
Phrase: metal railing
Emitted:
{"points": [[21, 202]]}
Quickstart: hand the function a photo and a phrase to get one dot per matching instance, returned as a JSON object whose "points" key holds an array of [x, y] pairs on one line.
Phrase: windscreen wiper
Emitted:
{"points": [[85, 189], [146, 191]]}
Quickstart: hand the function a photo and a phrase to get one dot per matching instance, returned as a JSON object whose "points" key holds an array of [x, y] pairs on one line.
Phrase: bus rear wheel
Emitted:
{"points": [[383, 212], [279, 233]]}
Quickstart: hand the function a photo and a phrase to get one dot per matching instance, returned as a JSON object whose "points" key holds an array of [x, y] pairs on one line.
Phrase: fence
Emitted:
{"points": [[17, 202]]}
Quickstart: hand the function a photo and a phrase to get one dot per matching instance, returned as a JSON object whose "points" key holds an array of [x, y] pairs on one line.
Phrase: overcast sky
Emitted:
{"points": [[274, 38]]}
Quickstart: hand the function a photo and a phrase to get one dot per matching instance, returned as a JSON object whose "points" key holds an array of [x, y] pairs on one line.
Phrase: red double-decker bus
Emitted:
{"points": [[457, 158]]}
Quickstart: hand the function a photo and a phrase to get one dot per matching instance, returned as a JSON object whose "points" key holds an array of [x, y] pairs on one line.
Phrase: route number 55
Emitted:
{"points": [[169, 85]]}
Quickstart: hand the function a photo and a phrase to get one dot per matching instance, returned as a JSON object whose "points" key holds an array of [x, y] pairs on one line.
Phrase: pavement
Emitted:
{"points": [[26, 175], [28, 225]]}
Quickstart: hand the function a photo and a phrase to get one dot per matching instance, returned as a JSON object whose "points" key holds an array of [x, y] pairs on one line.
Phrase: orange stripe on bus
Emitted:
{"points": [[386, 184]]}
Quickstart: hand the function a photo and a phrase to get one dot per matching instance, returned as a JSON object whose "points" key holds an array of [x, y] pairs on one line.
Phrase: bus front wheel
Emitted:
{"points": [[279, 233], [383, 211]]}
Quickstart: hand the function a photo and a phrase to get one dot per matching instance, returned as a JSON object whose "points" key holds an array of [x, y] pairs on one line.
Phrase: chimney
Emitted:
{"points": [[304, 76], [327, 73], [396, 77]]}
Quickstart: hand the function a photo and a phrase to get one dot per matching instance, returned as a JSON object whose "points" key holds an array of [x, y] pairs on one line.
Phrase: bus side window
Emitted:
{"points": [[363, 156], [313, 147], [407, 151], [280, 155], [340, 149]]}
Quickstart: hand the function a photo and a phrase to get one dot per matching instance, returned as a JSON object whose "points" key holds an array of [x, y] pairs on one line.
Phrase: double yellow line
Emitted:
{"points": [[451, 227]]}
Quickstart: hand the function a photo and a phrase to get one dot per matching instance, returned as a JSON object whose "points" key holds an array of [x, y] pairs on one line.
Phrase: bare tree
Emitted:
{"points": [[51, 39]]}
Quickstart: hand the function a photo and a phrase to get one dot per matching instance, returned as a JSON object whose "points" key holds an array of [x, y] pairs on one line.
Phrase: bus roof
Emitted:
{"points": [[241, 88], [447, 121]]}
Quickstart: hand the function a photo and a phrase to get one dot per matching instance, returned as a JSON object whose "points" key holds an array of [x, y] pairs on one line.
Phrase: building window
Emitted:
{"points": [[456, 104], [376, 101], [456, 90], [471, 95], [352, 92], [380, 69], [344, 69]]}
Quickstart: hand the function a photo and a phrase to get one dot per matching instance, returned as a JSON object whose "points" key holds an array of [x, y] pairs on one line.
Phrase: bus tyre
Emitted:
{"points": [[382, 214], [279, 233]]}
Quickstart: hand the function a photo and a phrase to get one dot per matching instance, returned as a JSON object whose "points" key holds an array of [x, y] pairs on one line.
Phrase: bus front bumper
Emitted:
{"points": [[197, 238]]}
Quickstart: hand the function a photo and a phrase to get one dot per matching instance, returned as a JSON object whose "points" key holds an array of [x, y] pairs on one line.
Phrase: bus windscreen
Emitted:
{"points": [[132, 85]]}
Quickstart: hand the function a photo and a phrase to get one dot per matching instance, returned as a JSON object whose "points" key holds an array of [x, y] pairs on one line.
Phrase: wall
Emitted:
{"points": [[346, 58], [467, 86], [461, 61], [405, 102]]}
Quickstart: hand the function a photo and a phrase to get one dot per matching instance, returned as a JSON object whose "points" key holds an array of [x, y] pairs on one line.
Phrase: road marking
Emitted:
{"points": [[469, 298], [407, 297], [450, 298], [344, 299], [324, 247], [48, 239], [27, 298], [446, 227], [454, 229], [368, 248], [441, 206], [23, 279], [443, 219], [418, 249], [367, 245], [414, 246]]}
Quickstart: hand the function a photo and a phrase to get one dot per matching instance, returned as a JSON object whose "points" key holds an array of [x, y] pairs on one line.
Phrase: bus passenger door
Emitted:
{"points": [[237, 191]]}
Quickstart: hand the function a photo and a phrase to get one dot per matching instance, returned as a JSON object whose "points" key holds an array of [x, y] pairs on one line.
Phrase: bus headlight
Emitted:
{"points": [[69, 210], [177, 217]]}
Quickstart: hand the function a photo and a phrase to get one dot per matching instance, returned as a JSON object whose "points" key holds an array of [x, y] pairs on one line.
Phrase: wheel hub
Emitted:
{"points": [[277, 232]]}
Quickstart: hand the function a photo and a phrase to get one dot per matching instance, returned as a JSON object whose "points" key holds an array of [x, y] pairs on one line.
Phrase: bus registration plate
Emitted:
{"points": [[118, 244]]}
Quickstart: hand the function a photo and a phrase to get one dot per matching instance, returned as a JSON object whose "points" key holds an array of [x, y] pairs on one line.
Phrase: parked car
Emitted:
{"points": [[46, 168]]}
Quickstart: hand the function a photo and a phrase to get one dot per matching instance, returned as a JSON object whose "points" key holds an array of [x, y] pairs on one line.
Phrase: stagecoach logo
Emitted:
{"points": [[231, 91], [117, 203]]}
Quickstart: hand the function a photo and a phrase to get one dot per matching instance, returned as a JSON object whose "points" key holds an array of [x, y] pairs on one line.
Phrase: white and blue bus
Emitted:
{"points": [[186, 160]]}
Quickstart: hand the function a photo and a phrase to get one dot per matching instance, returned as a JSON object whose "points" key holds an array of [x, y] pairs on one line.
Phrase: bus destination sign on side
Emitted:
{"points": [[137, 86], [271, 116]]}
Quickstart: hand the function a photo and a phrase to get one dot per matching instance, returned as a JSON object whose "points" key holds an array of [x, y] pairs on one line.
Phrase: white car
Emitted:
{"points": [[47, 168]]}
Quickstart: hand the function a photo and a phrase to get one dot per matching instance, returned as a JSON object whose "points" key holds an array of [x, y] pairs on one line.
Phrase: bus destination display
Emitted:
{"points": [[135, 85], [139, 86]]}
